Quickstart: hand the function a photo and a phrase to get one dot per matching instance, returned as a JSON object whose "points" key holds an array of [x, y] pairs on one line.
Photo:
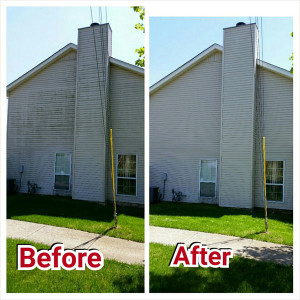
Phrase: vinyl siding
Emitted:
{"points": [[185, 128], [127, 122], [41, 123], [278, 130], [237, 116], [200, 110], [89, 148], [59, 110]]}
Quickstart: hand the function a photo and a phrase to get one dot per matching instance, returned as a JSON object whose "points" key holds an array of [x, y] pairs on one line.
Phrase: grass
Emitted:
{"points": [[242, 276], [229, 221], [114, 277], [76, 214]]}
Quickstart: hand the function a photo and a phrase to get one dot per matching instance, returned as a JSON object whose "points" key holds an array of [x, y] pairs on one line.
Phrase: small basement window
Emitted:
{"points": [[62, 171], [127, 175], [275, 180], [208, 178]]}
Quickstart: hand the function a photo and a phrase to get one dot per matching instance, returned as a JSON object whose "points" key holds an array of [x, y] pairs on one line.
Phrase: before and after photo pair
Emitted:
{"points": [[149, 151]]}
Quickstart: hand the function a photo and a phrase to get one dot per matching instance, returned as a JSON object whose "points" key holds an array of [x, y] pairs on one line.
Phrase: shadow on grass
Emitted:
{"points": [[213, 211], [243, 275], [133, 284], [57, 206]]}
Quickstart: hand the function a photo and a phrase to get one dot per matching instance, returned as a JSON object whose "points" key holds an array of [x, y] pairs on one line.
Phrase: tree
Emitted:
{"points": [[140, 26], [292, 57]]}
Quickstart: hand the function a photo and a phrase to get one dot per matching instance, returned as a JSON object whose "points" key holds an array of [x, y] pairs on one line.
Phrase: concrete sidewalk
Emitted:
{"points": [[112, 248], [247, 248]]}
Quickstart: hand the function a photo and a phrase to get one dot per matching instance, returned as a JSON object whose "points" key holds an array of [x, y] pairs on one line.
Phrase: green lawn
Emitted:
{"points": [[114, 277], [76, 214], [229, 221], [242, 276]]}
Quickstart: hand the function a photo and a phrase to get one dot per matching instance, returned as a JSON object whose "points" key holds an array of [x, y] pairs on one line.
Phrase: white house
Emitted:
{"points": [[59, 116], [207, 120]]}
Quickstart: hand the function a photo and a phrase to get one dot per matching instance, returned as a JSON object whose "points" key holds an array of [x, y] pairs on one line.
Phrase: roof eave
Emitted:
{"points": [[201, 56], [126, 66], [56, 56], [275, 69], [40, 67]]}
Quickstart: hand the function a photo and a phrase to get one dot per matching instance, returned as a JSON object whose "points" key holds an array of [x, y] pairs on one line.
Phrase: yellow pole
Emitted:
{"points": [[113, 179], [265, 186]]}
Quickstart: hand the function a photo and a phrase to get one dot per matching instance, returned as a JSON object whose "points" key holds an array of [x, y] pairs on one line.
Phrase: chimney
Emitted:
{"points": [[240, 50], [93, 52]]}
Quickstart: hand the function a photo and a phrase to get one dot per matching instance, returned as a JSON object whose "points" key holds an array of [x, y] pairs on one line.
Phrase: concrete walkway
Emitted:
{"points": [[112, 248], [247, 248]]}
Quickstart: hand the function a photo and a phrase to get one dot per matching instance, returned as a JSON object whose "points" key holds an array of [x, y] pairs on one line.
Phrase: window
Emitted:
{"points": [[62, 171], [275, 180], [126, 175], [208, 178]]}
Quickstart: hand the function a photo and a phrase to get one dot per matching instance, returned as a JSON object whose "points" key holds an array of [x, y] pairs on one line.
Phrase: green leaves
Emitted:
{"points": [[141, 10], [140, 51], [292, 57], [139, 26], [140, 62]]}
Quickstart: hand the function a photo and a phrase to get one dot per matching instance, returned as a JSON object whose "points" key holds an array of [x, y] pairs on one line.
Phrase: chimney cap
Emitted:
{"points": [[240, 24], [95, 24]]}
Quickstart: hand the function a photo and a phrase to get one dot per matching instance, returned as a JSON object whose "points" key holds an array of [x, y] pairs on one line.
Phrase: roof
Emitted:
{"points": [[203, 55], [63, 51], [57, 55], [126, 66], [191, 63], [274, 69]]}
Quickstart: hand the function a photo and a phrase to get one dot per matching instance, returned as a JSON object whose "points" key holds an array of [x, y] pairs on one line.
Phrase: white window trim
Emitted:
{"points": [[136, 176], [283, 185], [63, 152], [215, 182]]}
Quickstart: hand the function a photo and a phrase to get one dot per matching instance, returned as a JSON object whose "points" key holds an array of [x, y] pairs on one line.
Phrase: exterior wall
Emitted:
{"points": [[192, 101], [278, 130], [239, 64], [89, 147], [41, 123], [127, 122], [185, 128]]}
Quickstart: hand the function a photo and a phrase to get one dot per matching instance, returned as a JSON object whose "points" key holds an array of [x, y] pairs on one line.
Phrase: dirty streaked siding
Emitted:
{"points": [[185, 128], [127, 121], [41, 122], [89, 144]]}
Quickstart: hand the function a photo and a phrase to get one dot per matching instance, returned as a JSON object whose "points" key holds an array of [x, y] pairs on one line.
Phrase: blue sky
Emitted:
{"points": [[175, 40], [35, 33]]}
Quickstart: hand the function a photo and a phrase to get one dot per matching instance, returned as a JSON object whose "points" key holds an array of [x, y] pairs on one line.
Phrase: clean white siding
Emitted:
{"points": [[41, 122], [127, 123], [185, 128], [238, 116], [89, 148], [278, 130]]}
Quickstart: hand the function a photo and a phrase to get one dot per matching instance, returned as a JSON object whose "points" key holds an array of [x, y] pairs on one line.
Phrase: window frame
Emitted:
{"points": [[215, 182], [283, 181], [136, 175], [63, 152]]}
